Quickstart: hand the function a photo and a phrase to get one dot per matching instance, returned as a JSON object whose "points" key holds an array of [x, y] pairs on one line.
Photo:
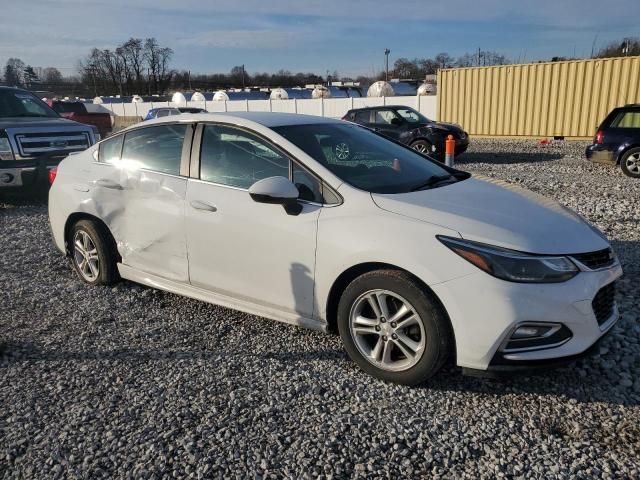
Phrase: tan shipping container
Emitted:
{"points": [[567, 99]]}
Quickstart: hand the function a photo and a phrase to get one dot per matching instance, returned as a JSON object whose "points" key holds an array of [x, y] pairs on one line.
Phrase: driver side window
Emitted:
{"points": [[234, 157]]}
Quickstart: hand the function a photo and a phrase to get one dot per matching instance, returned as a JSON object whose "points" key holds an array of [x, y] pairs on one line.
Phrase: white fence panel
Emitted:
{"points": [[310, 106], [330, 107], [215, 106], [259, 106], [285, 106], [197, 104], [428, 106], [336, 107], [237, 106], [404, 101], [368, 102]]}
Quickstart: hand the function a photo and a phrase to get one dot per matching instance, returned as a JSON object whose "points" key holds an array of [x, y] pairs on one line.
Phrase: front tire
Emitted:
{"points": [[93, 253], [392, 328], [630, 163]]}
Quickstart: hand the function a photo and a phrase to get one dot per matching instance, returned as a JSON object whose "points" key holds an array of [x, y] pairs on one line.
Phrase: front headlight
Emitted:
{"points": [[6, 153], [512, 265]]}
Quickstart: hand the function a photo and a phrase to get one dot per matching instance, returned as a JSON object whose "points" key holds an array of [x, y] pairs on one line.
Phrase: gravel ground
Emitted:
{"points": [[128, 382]]}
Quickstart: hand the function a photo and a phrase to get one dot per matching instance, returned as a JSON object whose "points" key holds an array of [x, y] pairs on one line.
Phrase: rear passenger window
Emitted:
{"points": [[155, 148], [109, 150], [629, 119], [231, 156], [362, 117]]}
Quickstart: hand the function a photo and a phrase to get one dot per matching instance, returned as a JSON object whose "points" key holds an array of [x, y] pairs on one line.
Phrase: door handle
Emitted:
{"points": [[106, 183], [198, 205]]}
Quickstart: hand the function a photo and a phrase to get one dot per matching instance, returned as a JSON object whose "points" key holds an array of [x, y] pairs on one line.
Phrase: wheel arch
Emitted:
{"points": [[351, 273], [624, 150], [75, 218]]}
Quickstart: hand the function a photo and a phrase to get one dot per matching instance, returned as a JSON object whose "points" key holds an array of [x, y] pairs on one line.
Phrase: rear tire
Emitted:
{"points": [[630, 162], [392, 328], [93, 253]]}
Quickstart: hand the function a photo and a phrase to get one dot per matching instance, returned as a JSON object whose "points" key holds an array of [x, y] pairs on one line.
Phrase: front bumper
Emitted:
{"points": [[485, 310], [601, 154], [28, 173]]}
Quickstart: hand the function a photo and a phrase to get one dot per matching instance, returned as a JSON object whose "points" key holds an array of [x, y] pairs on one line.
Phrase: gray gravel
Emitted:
{"points": [[130, 382]]}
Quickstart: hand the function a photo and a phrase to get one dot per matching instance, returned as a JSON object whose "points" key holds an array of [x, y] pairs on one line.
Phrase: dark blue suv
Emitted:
{"points": [[617, 141]]}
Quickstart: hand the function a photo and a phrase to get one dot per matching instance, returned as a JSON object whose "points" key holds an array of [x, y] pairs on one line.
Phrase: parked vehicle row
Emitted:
{"points": [[34, 138], [411, 261]]}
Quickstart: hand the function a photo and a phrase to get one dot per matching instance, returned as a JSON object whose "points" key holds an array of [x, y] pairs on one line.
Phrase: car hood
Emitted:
{"points": [[498, 213], [44, 122], [444, 127]]}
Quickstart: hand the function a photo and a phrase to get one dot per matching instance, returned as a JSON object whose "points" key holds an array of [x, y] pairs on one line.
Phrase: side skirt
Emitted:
{"points": [[154, 281]]}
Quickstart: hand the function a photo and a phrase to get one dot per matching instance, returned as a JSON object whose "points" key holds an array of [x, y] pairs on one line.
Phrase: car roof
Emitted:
{"points": [[14, 89], [266, 119]]}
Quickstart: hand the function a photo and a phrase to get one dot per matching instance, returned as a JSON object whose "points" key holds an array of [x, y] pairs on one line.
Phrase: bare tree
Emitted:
{"points": [[444, 60], [14, 72], [51, 75], [621, 48]]}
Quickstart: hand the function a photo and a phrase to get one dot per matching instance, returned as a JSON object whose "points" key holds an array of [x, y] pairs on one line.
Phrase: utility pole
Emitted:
{"points": [[386, 63], [189, 80], [243, 76]]}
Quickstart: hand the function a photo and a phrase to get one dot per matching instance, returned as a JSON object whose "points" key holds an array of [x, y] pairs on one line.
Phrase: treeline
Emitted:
{"points": [[135, 67], [143, 67], [420, 67]]}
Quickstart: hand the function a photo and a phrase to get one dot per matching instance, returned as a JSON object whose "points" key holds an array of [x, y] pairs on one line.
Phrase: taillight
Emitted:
{"points": [[52, 174], [599, 138]]}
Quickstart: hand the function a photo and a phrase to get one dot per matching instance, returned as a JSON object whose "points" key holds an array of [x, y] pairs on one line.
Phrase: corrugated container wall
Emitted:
{"points": [[567, 99]]}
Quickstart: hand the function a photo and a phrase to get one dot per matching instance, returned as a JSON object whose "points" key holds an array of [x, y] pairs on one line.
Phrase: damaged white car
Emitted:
{"points": [[325, 224]]}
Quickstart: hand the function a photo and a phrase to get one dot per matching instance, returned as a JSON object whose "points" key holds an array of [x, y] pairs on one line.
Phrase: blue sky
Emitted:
{"points": [[344, 35]]}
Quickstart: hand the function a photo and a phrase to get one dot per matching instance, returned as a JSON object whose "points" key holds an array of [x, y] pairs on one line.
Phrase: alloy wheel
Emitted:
{"points": [[421, 147], [85, 255], [633, 163], [342, 151], [387, 330]]}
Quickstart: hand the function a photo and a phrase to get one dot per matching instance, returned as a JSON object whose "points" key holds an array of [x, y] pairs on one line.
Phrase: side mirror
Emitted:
{"points": [[277, 190]]}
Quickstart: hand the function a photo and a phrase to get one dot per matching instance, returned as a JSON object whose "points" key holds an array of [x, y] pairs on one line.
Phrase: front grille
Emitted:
{"points": [[34, 144], [604, 302], [595, 260]]}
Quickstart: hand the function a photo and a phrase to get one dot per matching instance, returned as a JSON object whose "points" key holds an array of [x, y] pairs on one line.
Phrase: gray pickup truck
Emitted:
{"points": [[34, 139]]}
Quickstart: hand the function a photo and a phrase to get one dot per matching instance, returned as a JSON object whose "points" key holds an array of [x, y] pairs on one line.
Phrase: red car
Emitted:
{"points": [[77, 112]]}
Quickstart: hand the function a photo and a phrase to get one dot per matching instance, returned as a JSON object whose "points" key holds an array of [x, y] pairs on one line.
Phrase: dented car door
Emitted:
{"points": [[139, 186]]}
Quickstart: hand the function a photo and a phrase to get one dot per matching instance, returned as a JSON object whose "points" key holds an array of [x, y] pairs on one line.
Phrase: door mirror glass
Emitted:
{"points": [[274, 190]]}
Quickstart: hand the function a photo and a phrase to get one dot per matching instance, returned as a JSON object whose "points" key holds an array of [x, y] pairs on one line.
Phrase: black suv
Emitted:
{"points": [[408, 126], [617, 141]]}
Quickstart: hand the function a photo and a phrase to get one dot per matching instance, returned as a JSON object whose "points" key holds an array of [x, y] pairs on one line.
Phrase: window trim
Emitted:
{"points": [[196, 151]]}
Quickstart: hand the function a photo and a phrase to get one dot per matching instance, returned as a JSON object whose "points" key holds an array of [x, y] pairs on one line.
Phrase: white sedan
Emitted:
{"points": [[327, 225]]}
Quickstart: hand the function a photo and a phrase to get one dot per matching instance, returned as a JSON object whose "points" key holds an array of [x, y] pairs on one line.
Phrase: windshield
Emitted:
{"points": [[18, 103], [364, 159], [412, 116]]}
